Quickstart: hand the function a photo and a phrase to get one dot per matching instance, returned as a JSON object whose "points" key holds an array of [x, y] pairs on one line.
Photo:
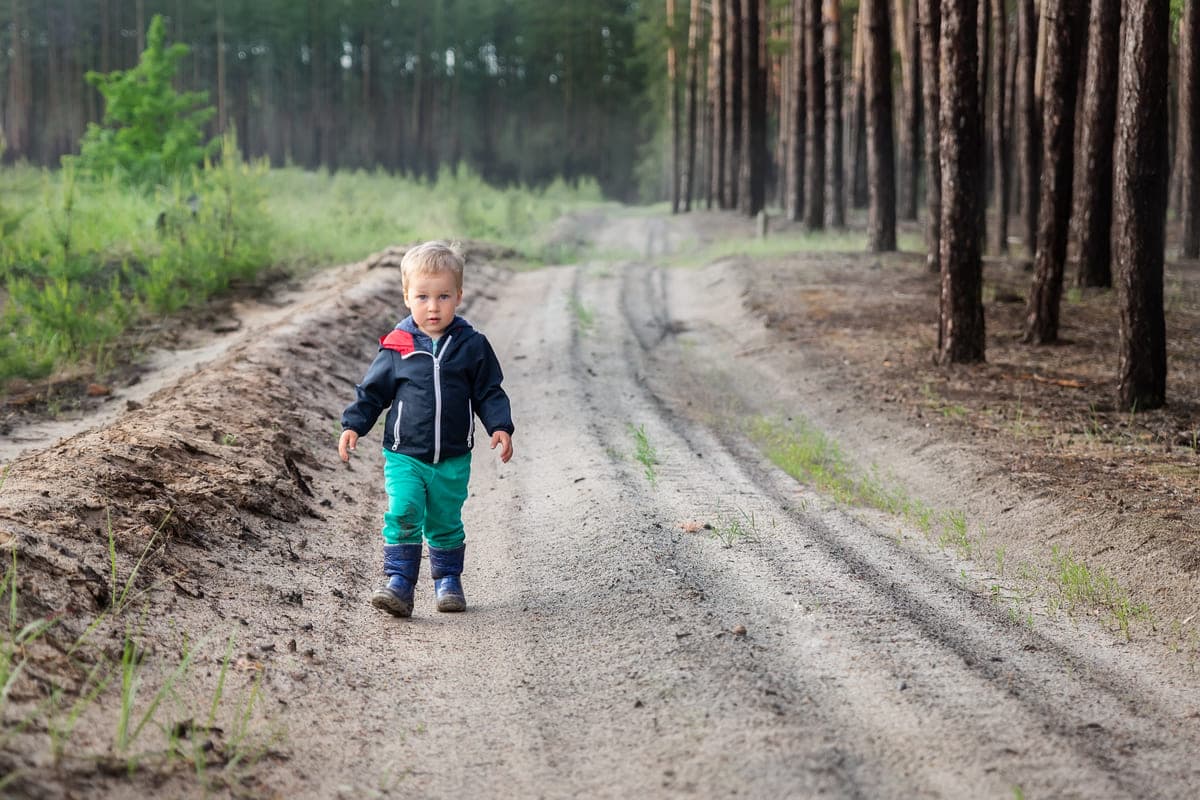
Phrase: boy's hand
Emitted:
{"points": [[505, 441], [347, 443]]}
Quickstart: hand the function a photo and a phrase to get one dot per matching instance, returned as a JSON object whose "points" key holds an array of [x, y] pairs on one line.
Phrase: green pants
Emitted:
{"points": [[425, 500]]}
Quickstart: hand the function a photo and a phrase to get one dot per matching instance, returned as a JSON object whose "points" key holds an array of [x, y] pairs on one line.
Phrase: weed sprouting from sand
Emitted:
{"points": [[735, 526], [585, 317], [1078, 584], [644, 452]]}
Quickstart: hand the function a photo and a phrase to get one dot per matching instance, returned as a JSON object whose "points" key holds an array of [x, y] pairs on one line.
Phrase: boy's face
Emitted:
{"points": [[432, 299]]}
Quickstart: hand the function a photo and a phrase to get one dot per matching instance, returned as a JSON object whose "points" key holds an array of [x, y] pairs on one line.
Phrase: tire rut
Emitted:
{"points": [[606, 651], [1001, 684]]}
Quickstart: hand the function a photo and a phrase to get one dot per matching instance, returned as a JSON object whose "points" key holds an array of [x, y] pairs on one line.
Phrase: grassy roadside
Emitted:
{"points": [[812, 457], [1058, 579], [108, 698], [81, 261]]}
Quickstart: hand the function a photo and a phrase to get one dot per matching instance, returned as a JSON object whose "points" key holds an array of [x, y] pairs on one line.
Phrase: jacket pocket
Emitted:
{"points": [[396, 426]]}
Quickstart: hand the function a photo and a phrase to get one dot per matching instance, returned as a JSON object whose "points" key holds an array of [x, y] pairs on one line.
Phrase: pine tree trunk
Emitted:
{"points": [[673, 106], [814, 170], [47, 129], [222, 97], [711, 117], [1141, 195], [999, 133], [18, 110], [787, 91], [719, 98], [931, 14], [1058, 157], [783, 132], [1010, 121], [857, 123], [693, 73], [105, 36], [881, 156], [1028, 126], [797, 115], [1188, 145], [961, 325], [1174, 112], [835, 193], [733, 105], [910, 114], [984, 44], [1091, 219], [752, 189]]}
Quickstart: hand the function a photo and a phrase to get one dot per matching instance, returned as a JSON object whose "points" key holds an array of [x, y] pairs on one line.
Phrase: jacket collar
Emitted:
{"points": [[416, 340]]}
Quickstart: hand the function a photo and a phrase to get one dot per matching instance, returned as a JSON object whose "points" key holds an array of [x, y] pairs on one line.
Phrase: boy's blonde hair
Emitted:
{"points": [[432, 258]]}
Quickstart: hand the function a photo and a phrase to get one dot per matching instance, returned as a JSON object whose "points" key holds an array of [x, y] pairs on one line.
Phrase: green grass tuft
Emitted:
{"points": [[644, 452]]}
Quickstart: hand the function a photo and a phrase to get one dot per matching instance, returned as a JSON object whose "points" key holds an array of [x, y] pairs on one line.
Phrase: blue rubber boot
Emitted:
{"points": [[446, 567], [402, 565]]}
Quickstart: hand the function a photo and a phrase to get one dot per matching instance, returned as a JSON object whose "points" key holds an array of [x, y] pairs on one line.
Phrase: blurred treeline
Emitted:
{"points": [[521, 91]]}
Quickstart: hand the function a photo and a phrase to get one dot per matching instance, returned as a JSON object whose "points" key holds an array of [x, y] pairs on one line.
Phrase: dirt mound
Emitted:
{"points": [[193, 507]]}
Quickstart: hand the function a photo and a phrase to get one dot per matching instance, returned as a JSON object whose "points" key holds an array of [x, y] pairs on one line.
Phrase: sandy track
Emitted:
{"points": [[606, 652]]}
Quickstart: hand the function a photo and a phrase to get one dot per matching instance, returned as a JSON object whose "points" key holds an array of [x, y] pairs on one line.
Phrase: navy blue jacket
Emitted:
{"points": [[432, 401]]}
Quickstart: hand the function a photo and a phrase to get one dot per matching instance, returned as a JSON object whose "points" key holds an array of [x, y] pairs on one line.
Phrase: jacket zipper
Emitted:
{"points": [[471, 423], [396, 427], [437, 401]]}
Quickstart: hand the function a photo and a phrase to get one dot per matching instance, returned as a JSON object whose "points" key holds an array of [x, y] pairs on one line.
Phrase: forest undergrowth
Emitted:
{"points": [[84, 262]]}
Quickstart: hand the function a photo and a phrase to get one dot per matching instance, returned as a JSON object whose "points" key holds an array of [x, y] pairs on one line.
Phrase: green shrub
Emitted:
{"points": [[150, 132]]}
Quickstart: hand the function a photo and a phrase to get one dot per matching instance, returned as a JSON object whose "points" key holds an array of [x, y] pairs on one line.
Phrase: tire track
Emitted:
{"points": [[1094, 725]]}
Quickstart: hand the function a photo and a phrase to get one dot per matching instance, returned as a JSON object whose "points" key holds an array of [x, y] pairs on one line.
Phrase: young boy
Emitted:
{"points": [[434, 373]]}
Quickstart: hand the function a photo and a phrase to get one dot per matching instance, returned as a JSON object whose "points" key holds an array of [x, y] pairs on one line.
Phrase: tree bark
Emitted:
{"points": [[984, 44], [105, 37], [718, 98], [673, 106], [693, 73], [999, 129], [1028, 126], [814, 170], [835, 194], [1174, 112], [733, 86], [1091, 219], [797, 113], [931, 14], [857, 119], [1058, 156], [910, 119], [881, 156], [712, 120], [783, 137], [752, 188], [1010, 119], [961, 325], [1188, 145], [18, 102], [1141, 196], [222, 98]]}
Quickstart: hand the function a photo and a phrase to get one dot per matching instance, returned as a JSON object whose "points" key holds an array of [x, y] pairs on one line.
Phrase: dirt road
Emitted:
{"points": [[793, 648]]}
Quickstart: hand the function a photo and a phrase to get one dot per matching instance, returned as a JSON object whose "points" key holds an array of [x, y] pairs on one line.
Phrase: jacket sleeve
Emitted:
{"points": [[375, 394], [489, 400]]}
